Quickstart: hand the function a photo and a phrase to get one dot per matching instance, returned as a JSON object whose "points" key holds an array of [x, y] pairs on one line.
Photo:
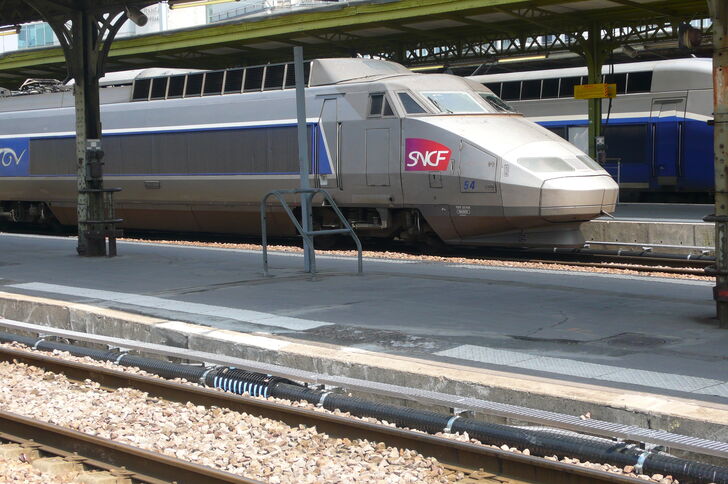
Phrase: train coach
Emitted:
{"points": [[408, 156], [659, 142]]}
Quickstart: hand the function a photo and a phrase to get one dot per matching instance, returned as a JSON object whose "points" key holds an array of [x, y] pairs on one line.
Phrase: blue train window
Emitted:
{"points": [[567, 86], [626, 143], [550, 88], [619, 79], [639, 82], [531, 89], [495, 87], [511, 91]]}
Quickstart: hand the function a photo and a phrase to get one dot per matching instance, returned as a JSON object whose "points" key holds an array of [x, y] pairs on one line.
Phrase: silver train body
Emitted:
{"points": [[405, 155]]}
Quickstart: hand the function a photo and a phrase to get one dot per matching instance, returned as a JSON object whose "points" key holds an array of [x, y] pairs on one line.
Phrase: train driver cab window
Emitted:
{"points": [[410, 105], [379, 106], [454, 102]]}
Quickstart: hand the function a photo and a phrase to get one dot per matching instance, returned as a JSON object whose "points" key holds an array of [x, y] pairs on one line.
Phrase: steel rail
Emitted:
{"points": [[541, 417], [448, 451], [144, 465]]}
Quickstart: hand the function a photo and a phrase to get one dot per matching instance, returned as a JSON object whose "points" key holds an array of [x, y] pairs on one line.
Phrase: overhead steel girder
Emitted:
{"points": [[492, 45], [529, 18]]}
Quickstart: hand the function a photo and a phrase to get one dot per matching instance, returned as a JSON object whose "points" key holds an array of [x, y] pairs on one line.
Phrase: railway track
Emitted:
{"points": [[58, 451], [470, 462]]}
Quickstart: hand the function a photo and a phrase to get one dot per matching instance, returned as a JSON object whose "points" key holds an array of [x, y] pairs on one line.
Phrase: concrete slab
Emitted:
{"points": [[637, 350]]}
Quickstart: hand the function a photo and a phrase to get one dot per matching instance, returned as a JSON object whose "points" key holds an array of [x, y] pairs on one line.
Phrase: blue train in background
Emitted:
{"points": [[659, 142]]}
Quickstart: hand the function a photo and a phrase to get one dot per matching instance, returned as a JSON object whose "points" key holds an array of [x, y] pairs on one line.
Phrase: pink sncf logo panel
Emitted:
{"points": [[425, 155]]}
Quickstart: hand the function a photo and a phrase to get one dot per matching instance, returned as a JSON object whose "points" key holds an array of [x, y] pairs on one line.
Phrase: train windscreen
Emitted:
{"points": [[454, 102]]}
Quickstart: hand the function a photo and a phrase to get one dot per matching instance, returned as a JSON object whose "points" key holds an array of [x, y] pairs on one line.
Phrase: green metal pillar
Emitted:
{"points": [[595, 52]]}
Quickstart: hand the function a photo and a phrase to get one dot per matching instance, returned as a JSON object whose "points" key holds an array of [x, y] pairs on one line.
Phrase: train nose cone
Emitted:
{"points": [[577, 197]]}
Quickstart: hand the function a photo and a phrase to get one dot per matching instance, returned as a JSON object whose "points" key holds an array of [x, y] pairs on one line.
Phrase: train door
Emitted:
{"points": [[667, 119], [381, 147], [327, 148]]}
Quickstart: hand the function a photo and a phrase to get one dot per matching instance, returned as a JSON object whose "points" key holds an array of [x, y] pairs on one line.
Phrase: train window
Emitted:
{"points": [[496, 103], [545, 164], [274, 77], [579, 137], [454, 102], [253, 78], [387, 109], [159, 87], [213, 83], [550, 88], [234, 81], [194, 85], [639, 81], [176, 86], [410, 105], [141, 90], [560, 130], [495, 87], [511, 91], [567, 86], [375, 104], [619, 79], [626, 142], [531, 89]]}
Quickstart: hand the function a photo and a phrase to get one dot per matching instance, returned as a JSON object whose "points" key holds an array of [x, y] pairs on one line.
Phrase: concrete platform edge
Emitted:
{"points": [[679, 415]]}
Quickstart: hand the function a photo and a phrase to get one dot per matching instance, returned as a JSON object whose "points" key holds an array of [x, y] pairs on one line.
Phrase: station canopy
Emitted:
{"points": [[413, 32]]}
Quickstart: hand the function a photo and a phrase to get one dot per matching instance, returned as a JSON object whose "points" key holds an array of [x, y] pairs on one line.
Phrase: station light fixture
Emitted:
{"points": [[629, 51], [425, 68], [136, 16], [521, 58], [196, 3]]}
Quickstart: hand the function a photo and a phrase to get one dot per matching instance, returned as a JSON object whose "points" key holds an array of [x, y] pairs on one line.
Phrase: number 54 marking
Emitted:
{"points": [[469, 185]]}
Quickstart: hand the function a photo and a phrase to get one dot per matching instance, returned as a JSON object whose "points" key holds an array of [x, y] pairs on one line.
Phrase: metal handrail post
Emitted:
{"points": [[264, 234], [360, 264], [307, 195]]}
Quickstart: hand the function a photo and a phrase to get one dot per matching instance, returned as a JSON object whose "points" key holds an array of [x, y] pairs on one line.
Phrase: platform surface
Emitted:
{"points": [[633, 332], [662, 212]]}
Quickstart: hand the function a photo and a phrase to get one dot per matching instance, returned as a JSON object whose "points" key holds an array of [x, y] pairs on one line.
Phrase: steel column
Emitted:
{"points": [[593, 50], [88, 128], [719, 14], [303, 157]]}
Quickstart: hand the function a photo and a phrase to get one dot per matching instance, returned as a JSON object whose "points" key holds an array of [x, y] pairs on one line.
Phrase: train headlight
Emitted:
{"points": [[548, 164]]}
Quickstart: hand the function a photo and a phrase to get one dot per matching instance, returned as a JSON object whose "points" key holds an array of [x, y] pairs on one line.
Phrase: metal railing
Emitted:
{"points": [[307, 235]]}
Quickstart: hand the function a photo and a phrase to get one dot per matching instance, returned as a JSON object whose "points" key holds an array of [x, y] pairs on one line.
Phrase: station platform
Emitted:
{"points": [[664, 227], [635, 349]]}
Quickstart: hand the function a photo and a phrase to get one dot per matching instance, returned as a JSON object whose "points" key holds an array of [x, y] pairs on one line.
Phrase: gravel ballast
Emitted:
{"points": [[196, 418], [234, 442]]}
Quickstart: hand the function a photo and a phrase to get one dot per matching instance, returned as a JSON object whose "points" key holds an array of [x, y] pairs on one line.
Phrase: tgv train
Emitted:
{"points": [[659, 144], [405, 155]]}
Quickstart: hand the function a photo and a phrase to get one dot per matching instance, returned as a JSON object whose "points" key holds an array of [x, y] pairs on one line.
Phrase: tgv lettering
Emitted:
{"points": [[426, 158], [8, 156]]}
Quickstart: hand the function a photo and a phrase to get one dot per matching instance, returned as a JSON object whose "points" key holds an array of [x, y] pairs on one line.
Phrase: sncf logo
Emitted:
{"points": [[425, 155]]}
